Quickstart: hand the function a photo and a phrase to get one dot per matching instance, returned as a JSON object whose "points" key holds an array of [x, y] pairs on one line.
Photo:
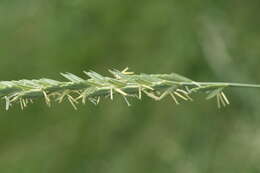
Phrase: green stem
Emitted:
{"points": [[241, 85]]}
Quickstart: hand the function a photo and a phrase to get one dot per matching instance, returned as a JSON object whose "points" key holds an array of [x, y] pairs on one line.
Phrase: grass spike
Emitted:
{"points": [[124, 83]]}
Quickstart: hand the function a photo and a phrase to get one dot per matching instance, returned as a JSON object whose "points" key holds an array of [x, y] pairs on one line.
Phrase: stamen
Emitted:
{"points": [[126, 100], [225, 98], [111, 93], [174, 98], [72, 101], [181, 96]]}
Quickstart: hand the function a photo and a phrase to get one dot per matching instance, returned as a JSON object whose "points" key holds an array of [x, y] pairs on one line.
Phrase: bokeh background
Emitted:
{"points": [[204, 40]]}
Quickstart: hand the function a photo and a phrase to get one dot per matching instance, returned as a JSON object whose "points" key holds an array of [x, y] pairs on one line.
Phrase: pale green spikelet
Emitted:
{"points": [[124, 83]]}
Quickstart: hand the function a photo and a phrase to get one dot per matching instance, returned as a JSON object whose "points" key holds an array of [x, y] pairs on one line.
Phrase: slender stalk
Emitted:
{"points": [[237, 85]]}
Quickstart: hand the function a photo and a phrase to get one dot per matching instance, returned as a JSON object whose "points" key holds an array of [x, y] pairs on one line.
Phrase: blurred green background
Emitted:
{"points": [[205, 40]]}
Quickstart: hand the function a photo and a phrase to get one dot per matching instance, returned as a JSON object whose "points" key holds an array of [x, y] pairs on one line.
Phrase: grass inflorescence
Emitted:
{"points": [[124, 83]]}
